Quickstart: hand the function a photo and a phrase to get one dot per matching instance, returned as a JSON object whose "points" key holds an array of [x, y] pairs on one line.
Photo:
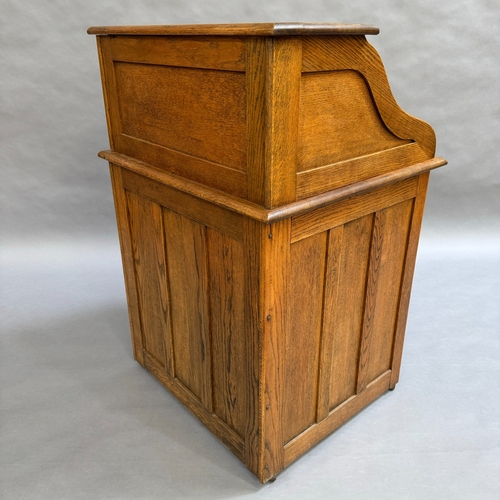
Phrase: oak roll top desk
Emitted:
{"points": [[269, 193]]}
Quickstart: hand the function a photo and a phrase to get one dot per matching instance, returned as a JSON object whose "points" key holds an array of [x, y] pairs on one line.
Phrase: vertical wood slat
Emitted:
{"points": [[283, 92], [256, 73], [370, 298], [120, 200], [146, 230], [188, 275], [276, 263], [387, 254], [108, 79], [409, 266], [229, 374], [349, 317], [334, 255], [254, 314], [273, 89], [302, 339]]}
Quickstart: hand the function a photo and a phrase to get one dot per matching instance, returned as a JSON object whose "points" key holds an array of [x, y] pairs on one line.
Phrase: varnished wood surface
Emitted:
{"points": [[269, 194], [243, 29], [338, 120], [225, 53], [355, 53], [257, 212]]}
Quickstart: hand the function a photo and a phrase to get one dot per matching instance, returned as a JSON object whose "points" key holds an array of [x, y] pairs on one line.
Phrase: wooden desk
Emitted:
{"points": [[269, 194]]}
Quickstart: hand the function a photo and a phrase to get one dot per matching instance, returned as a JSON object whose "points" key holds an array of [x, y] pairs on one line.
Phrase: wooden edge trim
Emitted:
{"points": [[407, 279], [305, 441], [221, 430], [243, 29], [262, 214], [122, 218]]}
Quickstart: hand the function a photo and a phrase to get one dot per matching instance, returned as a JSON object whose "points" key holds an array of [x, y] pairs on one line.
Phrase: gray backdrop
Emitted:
{"points": [[81, 420]]}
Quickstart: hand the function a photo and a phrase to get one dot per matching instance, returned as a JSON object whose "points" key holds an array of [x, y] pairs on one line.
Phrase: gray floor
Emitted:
{"points": [[81, 420]]}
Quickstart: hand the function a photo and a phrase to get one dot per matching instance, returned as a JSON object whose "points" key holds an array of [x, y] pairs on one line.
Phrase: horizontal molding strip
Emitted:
{"points": [[260, 213]]}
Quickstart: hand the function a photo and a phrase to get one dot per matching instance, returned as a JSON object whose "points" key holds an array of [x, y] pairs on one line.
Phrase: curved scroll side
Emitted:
{"points": [[355, 53]]}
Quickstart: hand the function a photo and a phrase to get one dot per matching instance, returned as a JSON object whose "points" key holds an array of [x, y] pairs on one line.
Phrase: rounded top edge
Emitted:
{"points": [[243, 29]]}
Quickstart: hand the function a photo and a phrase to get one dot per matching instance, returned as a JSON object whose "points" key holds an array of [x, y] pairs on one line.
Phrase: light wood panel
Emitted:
{"points": [[346, 172], [345, 316], [302, 340], [191, 52], [146, 230], [282, 98], [338, 120], [208, 214], [187, 266], [387, 253], [344, 211], [229, 349], [194, 111], [355, 53]]}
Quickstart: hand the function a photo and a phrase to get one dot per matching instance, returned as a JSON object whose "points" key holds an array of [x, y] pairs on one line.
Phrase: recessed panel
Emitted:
{"points": [[338, 120], [195, 111]]}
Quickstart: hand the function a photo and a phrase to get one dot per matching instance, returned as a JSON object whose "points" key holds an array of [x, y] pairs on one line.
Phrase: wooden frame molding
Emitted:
{"points": [[257, 212]]}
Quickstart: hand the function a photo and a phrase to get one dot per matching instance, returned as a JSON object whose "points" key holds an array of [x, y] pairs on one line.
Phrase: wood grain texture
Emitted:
{"points": [[257, 212], [355, 53], [318, 180], [302, 338], [229, 349], [255, 313], [108, 80], [276, 264], [120, 200], [194, 111], [387, 253], [188, 276], [409, 266], [241, 29], [344, 211], [305, 441], [146, 232], [224, 433], [344, 326], [338, 120], [223, 53], [334, 257], [257, 50], [199, 210], [282, 98], [269, 193]]}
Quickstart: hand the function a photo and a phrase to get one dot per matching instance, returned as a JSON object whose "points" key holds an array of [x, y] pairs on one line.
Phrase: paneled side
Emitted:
{"points": [[229, 363], [338, 120], [188, 276], [146, 230], [194, 111], [396, 228], [387, 254], [302, 342], [345, 325]]}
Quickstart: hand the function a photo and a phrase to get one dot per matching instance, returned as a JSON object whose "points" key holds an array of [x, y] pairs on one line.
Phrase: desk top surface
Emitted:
{"points": [[244, 29]]}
